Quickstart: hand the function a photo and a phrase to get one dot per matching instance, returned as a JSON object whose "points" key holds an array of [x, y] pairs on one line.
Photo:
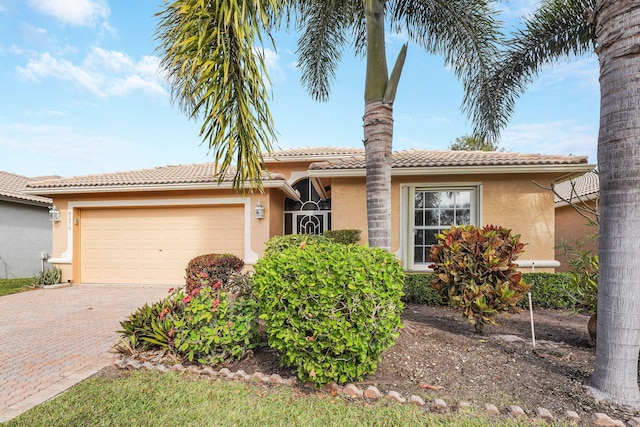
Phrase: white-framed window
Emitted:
{"points": [[431, 209]]}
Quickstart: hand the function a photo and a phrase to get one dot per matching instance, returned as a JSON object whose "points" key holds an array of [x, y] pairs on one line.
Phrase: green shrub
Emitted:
{"points": [[216, 267], [475, 270], [418, 290], [50, 276], [278, 244], [584, 268], [216, 326], [149, 327], [584, 281], [550, 290], [209, 324], [330, 309], [346, 237]]}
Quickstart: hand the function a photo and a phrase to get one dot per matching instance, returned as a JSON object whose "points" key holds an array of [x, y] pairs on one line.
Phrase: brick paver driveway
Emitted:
{"points": [[51, 339]]}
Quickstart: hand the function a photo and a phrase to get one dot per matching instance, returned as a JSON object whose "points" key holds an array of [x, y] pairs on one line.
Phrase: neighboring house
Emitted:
{"points": [[571, 226], [25, 229], [144, 226]]}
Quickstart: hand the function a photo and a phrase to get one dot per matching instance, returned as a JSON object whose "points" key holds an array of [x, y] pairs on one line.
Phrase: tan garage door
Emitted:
{"points": [[154, 245]]}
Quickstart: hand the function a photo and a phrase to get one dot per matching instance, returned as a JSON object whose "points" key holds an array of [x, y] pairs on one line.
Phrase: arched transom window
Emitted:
{"points": [[310, 215]]}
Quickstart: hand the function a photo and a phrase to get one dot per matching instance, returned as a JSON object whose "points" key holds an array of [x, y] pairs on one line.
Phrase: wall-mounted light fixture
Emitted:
{"points": [[259, 211], [54, 214]]}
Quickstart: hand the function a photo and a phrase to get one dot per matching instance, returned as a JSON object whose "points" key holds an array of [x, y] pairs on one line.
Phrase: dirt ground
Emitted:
{"points": [[439, 355]]}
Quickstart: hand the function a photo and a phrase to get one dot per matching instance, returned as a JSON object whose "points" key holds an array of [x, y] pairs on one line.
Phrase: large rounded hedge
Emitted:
{"points": [[330, 309]]}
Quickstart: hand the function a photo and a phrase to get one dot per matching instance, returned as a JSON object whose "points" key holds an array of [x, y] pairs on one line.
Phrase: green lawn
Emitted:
{"points": [[155, 399], [13, 286]]}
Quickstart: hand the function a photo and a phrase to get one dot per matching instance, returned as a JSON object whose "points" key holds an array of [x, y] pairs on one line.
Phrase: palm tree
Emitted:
{"points": [[212, 53], [611, 29]]}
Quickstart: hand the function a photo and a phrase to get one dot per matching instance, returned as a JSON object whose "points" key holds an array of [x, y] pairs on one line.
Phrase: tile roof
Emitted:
{"points": [[312, 153], [12, 187], [440, 158], [586, 187], [179, 174]]}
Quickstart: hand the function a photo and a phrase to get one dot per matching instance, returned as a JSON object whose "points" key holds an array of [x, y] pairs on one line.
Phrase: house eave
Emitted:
{"points": [[24, 201], [131, 188], [577, 200], [306, 158], [458, 170]]}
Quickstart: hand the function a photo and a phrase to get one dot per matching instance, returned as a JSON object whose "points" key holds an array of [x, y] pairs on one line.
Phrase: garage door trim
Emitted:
{"points": [[67, 256]]}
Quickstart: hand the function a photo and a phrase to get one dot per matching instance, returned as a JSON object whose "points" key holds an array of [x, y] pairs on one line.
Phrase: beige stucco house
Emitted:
{"points": [[572, 227], [144, 226]]}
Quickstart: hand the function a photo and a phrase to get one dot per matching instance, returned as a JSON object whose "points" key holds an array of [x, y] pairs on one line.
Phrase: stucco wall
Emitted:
{"points": [[570, 226], [25, 232], [509, 200], [349, 205]]}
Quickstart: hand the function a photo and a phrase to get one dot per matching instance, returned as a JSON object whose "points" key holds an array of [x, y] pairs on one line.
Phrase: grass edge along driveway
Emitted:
{"points": [[144, 398], [13, 286]]}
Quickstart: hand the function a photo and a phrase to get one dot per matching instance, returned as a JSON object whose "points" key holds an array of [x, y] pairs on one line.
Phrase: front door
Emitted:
{"points": [[310, 222], [309, 215]]}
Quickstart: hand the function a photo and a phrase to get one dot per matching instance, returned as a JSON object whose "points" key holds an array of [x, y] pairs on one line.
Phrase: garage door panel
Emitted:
{"points": [[154, 245]]}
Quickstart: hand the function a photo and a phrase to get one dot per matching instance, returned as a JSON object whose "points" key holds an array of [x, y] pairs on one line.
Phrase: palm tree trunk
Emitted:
{"points": [[616, 372], [378, 130], [378, 137]]}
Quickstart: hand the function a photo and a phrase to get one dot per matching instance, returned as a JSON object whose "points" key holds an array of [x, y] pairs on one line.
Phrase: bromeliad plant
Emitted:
{"points": [[209, 324], [475, 271]]}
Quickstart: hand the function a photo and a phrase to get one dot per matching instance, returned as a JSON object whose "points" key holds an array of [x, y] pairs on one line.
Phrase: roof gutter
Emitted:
{"points": [[282, 185], [24, 201], [457, 170]]}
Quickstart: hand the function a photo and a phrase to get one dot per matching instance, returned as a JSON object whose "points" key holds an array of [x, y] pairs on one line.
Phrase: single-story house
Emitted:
{"points": [[25, 230], [143, 226], [572, 227]]}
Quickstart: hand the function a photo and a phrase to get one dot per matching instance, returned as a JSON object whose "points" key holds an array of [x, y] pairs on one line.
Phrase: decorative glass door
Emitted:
{"points": [[310, 215]]}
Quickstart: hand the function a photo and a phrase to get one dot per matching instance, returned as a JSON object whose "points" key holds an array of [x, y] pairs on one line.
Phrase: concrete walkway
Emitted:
{"points": [[51, 339]]}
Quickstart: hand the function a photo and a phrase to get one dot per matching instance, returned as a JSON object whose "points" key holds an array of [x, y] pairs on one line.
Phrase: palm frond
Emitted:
{"points": [[212, 54], [557, 29], [325, 26], [465, 32]]}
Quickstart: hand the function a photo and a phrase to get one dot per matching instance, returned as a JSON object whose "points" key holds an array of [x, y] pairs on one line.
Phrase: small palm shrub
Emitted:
{"points": [[217, 267], [278, 244], [475, 271], [212, 323], [330, 309]]}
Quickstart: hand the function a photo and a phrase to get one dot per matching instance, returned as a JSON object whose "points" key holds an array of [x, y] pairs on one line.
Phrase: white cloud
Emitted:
{"points": [[518, 8], [74, 12], [272, 61], [560, 137], [32, 34], [584, 72], [56, 148], [103, 72]]}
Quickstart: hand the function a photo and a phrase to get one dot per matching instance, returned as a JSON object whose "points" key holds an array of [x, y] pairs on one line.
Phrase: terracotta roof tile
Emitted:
{"points": [[179, 174], [311, 153], [12, 186], [434, 158], [584, 187]]}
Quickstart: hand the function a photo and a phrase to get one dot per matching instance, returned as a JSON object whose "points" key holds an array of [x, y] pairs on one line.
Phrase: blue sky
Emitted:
{"points": [[82, 94]]}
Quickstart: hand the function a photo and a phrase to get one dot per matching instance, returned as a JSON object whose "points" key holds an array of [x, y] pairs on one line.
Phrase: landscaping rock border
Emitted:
{"points": [[371, 393]]}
